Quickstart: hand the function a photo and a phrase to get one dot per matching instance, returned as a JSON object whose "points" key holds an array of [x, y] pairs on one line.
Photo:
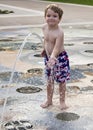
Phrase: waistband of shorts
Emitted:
{"points": [[63, 52]]}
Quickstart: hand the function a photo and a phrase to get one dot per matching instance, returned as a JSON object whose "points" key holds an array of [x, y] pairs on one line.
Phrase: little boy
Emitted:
{"points": [[55, 56]]}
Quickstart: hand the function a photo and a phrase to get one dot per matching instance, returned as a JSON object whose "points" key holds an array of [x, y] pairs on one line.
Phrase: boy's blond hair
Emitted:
{"points": [[55, 8]]}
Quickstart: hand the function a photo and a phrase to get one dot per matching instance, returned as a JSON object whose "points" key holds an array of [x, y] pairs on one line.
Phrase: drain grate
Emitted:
{"points": [[89, 51], [74, 89], [18, 125], [87, 89], [69, 44], [88, 43], [35, 71], [28, 89], [37, 55], [65, 116], [92, 81]]}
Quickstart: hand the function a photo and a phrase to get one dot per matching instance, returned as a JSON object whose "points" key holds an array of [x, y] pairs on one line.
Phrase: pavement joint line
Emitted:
{"points": [[78, 23], [20, 26], [40, 25], [14, 15]]}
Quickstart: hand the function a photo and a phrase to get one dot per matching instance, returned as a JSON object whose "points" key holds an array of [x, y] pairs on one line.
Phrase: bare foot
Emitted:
{"points": [[63, 106], [46, 104]]}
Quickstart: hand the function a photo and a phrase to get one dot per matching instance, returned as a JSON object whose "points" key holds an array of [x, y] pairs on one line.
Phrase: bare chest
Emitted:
{"points": [[50, 37]]}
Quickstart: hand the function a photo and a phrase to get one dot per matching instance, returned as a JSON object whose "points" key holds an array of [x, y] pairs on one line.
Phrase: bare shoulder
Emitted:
{"points": [[44, 27], [60, 32]]}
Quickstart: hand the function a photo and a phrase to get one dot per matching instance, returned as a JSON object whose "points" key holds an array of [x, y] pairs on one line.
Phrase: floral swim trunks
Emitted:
{"points": [[61, 70]]}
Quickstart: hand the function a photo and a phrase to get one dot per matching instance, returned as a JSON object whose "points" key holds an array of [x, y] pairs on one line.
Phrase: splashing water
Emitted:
{"points": [[13, 70]]}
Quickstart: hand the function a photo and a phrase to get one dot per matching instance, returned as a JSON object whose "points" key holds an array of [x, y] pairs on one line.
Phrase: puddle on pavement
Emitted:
{"points": [[28, 90], [32, 77], [66, 116], [35, 76]]}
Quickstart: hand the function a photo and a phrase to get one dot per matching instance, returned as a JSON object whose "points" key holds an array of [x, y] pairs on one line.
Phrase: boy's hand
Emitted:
{"points": [[51, 62]]}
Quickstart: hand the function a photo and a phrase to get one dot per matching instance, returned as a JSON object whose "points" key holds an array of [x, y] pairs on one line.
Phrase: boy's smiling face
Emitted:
{"points": [[52, 18]]}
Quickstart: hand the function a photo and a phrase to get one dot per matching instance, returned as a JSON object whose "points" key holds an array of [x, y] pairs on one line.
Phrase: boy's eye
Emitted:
{"points": [[55, 16], [52, 16], [48, 15]]}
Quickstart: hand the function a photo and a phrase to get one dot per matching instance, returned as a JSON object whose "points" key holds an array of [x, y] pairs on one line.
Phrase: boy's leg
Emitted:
{"points": [[62, 90], [50, 90]]}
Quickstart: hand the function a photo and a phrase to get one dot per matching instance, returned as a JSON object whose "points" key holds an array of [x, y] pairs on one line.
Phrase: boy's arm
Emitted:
{"points": [[58, 46], [43, 53]]}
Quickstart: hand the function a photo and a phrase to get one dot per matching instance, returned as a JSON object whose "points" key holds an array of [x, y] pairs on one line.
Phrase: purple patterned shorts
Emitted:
{"points": [[61, 70]]}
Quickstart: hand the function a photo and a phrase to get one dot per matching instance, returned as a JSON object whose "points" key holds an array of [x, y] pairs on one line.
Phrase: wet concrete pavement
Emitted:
{"points": [[21, 106], [26, 107]]}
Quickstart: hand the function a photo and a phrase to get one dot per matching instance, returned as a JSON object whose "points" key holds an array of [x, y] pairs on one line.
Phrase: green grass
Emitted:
{"points": [[84, 2]]}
